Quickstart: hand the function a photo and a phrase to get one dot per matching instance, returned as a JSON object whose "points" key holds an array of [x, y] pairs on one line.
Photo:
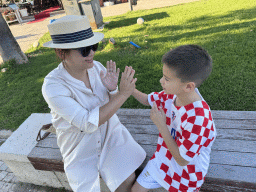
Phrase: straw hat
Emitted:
{"points": [[72, 31]]}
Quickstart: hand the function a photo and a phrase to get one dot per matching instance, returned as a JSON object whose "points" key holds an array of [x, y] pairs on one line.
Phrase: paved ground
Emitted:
{"points": [[141, 4], [26, 35]]}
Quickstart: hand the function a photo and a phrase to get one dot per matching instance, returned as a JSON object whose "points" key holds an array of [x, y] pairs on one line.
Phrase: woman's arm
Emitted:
{"points": [[127, 86], [60, 100]]}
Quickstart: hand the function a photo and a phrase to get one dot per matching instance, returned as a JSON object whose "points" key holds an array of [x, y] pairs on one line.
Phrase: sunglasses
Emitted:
{"points": [[85, 51]]}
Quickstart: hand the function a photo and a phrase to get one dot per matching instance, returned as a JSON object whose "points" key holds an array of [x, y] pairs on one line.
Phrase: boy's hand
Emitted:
{"points": [[158, 117], [111, 79]]}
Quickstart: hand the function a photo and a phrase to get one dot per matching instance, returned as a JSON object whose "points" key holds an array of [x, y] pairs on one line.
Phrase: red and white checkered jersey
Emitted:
{"points": [[194, 131]]}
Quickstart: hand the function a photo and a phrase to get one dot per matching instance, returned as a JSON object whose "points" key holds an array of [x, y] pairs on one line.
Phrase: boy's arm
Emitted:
{"points": [[171, 145], [127, 86], [159, 119], [141, 97]]}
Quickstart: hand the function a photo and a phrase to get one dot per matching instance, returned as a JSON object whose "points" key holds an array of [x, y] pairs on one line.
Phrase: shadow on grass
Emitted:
{"points": [[173, 33], [206, 25], [122, 22], [243, 14], [229, 39]]}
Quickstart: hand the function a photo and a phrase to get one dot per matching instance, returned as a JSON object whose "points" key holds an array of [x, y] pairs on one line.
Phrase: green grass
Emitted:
{"points": [[225, 28]]}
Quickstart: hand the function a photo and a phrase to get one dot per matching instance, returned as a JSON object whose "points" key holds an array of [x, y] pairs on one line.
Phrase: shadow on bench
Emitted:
{"points": [[232, 165]]}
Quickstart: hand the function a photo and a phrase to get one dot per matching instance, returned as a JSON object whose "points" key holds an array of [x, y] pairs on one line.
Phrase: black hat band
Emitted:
{"points": [[72, 37]]}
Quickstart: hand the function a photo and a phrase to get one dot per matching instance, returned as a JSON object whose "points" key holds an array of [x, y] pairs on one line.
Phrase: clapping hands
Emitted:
{"points": [[110, 80]]}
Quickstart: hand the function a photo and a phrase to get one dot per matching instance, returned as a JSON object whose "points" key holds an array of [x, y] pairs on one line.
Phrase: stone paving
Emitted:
{"points": [[141, 5], [26, 35], [10, 183]]}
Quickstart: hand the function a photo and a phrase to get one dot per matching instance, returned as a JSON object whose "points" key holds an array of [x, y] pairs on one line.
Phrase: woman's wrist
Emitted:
{"points": [[113, 91]]}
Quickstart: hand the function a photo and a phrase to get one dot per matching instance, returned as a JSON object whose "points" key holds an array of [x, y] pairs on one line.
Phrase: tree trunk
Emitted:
{"points": [[9, 48]]}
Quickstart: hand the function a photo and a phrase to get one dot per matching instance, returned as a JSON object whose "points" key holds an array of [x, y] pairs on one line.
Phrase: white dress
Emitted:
{"points": [[89, 151]]}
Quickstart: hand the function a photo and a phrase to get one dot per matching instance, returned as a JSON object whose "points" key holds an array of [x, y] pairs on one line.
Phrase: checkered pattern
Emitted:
{"points": [[195, 133]]}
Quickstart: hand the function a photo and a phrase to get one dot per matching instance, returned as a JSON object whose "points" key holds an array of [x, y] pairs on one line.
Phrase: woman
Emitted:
{"points": [[83, 97]]}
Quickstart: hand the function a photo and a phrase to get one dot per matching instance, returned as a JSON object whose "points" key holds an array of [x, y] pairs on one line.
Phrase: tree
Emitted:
{"points": [[9, 48]]}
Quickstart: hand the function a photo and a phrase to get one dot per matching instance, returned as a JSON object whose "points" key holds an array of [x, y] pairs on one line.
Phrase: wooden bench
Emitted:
{"points": [[233, 156]]}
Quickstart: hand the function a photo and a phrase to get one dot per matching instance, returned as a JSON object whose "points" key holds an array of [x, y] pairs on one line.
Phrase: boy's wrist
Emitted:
{"points": [[134, 92]]}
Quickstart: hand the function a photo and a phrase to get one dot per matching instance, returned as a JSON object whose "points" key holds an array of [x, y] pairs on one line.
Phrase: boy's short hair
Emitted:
{"points": [[190, 62]]}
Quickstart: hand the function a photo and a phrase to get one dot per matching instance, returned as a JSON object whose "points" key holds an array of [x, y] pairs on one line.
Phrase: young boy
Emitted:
{"points": [[185, 124]]}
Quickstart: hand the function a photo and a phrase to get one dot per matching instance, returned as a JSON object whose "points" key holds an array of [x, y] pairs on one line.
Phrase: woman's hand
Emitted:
{"points": [[127, 83], [126, 87], [111, 79], [158, 117]]}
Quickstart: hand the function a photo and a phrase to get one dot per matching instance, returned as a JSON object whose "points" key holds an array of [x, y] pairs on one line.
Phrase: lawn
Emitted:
{"points": [[224, 28]]}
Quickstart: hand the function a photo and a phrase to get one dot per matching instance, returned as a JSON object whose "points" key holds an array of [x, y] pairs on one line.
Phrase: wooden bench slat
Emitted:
{"points": [[234, 145], [235, 123], [139, 120], [233, 114], [219, 144], [213, 184], [235, 173], [145, 139], [135, 112], [233, 158], [215, 187], [48, 166], [220, 157], [49, 154], [234, 134], [220, 123], [142, 129], [48, 142], [215, 113], [46, 161]]}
